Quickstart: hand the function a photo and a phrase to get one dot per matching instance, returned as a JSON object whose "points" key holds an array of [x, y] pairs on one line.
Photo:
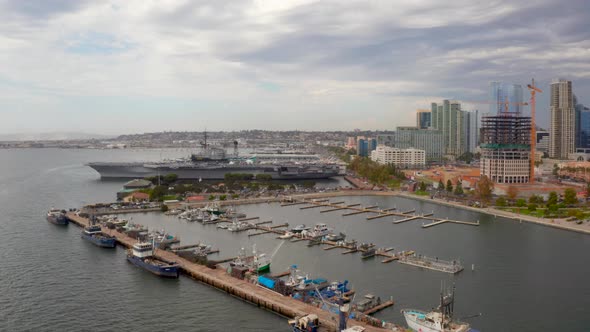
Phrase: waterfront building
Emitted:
{"points": [[406, 158], [429, 140], [542, 141], [423, 118], [562, 132], [505, 148], [365, 146], [448, 119], [499, 92]]}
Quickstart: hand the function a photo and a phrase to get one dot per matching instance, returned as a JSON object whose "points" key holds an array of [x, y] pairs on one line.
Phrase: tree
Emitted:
{"points": [[449, 186], [552, 200], [512, 192], [164, 208], [484, 188], [532, 207], [536, 199], [501, 201], [158, 192], [459, 188], [555, 170], [170, 178], [441, 185], [222, 197], [422, 186], [520, 202], [569, 197], [211, 197]]}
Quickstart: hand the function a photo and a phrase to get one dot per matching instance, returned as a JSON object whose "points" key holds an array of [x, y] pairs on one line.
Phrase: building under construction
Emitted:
{"points": [[506, 148]]}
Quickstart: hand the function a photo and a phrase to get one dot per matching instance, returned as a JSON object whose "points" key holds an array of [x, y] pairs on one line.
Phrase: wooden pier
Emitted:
{"points": [[379, 307], [218, 278]]}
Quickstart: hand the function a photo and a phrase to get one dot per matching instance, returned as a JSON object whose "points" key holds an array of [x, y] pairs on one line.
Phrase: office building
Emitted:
{"points": [[562, 120], [365, 146], [406, 158], [448, 119], [423, 118]]}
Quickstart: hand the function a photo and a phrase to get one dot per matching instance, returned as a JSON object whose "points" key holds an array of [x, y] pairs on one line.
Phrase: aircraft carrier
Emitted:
{"points": [[213, 163]]}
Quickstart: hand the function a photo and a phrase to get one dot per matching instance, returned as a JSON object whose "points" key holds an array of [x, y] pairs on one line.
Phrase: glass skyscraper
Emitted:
{"points": [[499, 92]]}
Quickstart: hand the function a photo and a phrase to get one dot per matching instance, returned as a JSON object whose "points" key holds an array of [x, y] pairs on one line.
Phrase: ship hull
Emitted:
{"points": [[140, 170], [61, 220], [100, 240], [166, 271]]}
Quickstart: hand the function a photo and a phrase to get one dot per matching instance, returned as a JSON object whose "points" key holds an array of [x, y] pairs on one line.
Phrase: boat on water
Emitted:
{"points": [[95, 235], [238, 226], [367, 250], [369, 301], [142, 255], [307, 323], [319, 230], [300, 228], [336, 237], [57, 217], [257, 262], [437, 320], [213, 163]]}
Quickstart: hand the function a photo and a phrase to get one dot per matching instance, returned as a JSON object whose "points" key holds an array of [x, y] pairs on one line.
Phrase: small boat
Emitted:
{"points": [[94, 234], [222, 226], [257, 262], [367, 250], [369, 302], [287, 235], [307, 323], [142, 255], [336, 237], [320, 230], [57, 217], [300, 228], [437, 320]]}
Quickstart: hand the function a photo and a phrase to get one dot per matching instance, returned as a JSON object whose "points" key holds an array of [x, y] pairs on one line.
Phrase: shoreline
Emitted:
{"points": [[558, 223]]}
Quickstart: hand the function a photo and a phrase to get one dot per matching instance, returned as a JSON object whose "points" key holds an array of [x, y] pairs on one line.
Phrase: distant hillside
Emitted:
{"points": [[58, 136]]}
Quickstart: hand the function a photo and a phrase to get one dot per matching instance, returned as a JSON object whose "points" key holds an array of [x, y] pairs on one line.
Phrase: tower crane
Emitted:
{"points": [[533, 90]]}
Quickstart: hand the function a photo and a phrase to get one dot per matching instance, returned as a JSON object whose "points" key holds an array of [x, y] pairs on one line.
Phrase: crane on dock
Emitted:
{"points": [[533, 90]]}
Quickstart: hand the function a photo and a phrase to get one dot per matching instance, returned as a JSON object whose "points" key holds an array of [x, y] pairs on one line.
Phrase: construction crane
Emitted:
{"points": [[533, 89]]}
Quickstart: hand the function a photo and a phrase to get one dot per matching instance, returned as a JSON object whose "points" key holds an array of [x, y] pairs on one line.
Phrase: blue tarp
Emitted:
{"points": [[266, 282]]}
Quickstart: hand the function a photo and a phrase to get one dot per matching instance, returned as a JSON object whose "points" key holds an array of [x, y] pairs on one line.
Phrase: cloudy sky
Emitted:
{"points": [[138, 65]]}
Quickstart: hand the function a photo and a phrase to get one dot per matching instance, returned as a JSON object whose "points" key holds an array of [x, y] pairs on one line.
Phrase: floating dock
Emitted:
{"points": [[430, 263]]}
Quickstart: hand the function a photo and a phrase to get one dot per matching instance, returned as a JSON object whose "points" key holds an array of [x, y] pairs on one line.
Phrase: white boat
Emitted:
{"points": [[438, 320], [287, 235]]}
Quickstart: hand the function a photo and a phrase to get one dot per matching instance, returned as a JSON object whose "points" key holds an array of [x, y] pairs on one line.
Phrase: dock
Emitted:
{"points": [[218, 278], [379, 307]]}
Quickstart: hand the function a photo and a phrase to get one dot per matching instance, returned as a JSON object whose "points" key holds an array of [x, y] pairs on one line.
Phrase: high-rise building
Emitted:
{"points": [[582, 125], [542, 141], [471, 124], [562, 132], [500, 93], [386, 139], [447, 118], [429, 140], [423, 119], [364, 146], [505, 148]]}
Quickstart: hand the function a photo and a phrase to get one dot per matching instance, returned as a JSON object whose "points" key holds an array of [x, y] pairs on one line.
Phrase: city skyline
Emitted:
{"points": [[132, 67]]}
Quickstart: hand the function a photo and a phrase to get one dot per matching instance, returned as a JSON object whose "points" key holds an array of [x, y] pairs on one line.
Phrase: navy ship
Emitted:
{"points": [[58, 217], [94, 234], [142, 255], [212, 163]]}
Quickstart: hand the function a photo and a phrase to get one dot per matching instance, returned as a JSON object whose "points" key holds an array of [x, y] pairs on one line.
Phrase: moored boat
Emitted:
{"points": [[57, 217], [287, 235], [437, 320], [141, 255], [307, 323], [95, 235], [300, 228]]}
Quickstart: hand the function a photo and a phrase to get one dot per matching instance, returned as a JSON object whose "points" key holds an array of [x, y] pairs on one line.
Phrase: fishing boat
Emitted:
{"points": [[437, 320], [57, 217], [142, 255], [307, 323], [238, 226], [257, 262], [370, 301], [222, 226], [94, 234]]}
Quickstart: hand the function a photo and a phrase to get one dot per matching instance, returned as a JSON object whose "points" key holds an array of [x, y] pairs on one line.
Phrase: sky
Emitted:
{"points": [[133, 66]]}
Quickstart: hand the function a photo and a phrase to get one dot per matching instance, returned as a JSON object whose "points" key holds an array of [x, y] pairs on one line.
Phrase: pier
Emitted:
{"points": [[379, 213], [218, 278]]}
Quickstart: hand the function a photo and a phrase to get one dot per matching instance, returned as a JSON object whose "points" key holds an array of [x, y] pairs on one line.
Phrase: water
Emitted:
{"points": [[527, 277]]}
